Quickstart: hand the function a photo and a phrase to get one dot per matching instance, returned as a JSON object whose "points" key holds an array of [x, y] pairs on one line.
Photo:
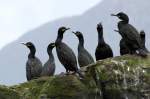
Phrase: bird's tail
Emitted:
{"points": [[142, 52]]}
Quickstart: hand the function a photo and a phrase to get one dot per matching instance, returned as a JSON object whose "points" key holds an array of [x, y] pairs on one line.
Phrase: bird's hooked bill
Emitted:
{"points": [[113, 15], [99, 24], [53, 44], [73, 32], [116, 30], [23, 43], [76, 33]]}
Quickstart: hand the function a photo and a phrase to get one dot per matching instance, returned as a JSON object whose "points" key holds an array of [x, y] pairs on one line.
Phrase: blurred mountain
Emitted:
{"points": [[14, 55]]}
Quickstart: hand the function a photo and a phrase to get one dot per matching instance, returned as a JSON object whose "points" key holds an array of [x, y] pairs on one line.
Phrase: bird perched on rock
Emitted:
{"points": [[142, 35], [103, 50], [49, 66], [84, 57], [65, 54], [129, 34], [33, 64], [124, 49]]}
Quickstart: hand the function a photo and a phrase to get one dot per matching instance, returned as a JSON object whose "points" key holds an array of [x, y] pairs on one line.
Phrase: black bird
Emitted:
{"points": [[124, 49], [142, 35], [129, 34], [103, 50], [84, 57], [33, 64], [49, 66], [65, 54]]}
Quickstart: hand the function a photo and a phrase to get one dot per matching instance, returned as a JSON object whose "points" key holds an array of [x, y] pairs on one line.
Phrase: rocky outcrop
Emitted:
{"points": [[124, 77]]}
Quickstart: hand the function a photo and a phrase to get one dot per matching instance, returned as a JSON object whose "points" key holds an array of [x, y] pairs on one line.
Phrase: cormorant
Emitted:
{"points": [[103, 50], [49, 66], [124, 49], [142, 35], [33, 64], [84, 57], [65, 54], [130, 35]]}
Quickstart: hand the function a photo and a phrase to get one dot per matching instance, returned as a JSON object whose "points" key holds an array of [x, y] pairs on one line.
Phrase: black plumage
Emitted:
{"points": [[65, 54], [142, 35], [103, 50], [123, 48], [84, 57], [49, 66], [33, 64], [129, 34]]}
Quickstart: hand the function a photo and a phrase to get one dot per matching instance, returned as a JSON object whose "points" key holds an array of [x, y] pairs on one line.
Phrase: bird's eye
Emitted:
{"points": [[78, 33]]}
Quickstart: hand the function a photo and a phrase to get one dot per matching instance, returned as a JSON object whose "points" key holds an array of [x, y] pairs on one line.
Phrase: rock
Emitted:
{"points": [[123, 77], [126, 77]]}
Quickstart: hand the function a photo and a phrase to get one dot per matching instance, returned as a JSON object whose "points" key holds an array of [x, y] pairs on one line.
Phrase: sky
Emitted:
{"points": [[19, 16]]}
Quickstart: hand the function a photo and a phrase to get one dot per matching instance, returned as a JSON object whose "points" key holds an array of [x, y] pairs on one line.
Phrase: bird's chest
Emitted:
{"points": [[31, 63], [60, 50]]}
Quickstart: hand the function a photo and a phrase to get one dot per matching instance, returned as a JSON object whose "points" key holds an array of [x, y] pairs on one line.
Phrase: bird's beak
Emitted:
{"points": [[53, 45], [116, 30], [113, 15], [67, 28], [73, 32], [23, 44]]}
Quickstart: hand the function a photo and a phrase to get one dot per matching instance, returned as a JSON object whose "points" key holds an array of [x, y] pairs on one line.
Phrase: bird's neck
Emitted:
{"points": [[81, 42], [125, 21], [32, 52], [51, 56], [100, 37], [121, 24], [143, 41], [59, 38]]}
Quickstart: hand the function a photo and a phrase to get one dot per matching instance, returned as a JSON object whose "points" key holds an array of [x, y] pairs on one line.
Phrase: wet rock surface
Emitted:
{"points": [[123, 77]]}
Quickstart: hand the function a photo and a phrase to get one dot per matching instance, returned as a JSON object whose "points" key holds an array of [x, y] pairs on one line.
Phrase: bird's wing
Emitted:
{"points": [[110, 52], [48, 68], [67, 56], [131, 34], [33, 68], [38, 65], [28, 71], [85, 58]]}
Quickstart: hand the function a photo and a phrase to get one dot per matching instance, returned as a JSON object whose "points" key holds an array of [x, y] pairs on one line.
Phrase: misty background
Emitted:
{"points": [[38, 22]]}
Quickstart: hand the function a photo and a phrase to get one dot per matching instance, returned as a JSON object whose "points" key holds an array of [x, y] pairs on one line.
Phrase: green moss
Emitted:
{"points": [[32, 89], [6, 93], [64, 86]]}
